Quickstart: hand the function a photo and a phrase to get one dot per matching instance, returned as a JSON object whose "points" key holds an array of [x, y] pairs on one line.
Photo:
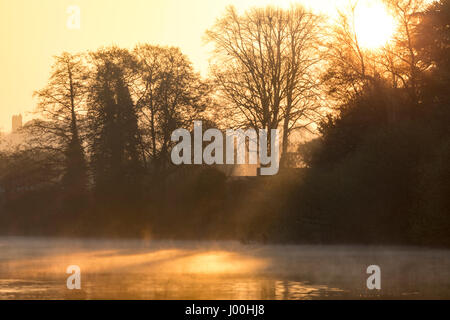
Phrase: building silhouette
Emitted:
{"points": [[16, 122]]}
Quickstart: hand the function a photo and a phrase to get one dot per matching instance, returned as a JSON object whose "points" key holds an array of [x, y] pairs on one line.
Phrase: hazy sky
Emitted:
{"points": [[33, 31]]}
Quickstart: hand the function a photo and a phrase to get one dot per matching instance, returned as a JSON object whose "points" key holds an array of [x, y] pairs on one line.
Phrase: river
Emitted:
{"points": [[35, 268]]}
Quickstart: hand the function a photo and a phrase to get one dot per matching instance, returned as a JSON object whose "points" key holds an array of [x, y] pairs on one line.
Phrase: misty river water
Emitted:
{"points": [[35, 268]]}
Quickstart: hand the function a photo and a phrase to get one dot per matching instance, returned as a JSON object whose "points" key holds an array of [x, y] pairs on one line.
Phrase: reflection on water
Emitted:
{"points": [[35, 269], [294, 290]]}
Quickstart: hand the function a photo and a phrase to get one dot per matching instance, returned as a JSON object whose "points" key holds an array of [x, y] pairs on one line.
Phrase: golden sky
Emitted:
{"points": [[33, 31]]}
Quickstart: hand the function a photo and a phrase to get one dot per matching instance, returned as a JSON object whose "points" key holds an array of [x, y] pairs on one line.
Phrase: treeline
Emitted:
{"points": [[96, 160]]}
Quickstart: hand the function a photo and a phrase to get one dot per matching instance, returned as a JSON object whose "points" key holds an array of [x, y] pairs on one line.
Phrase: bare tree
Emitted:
{"points": [[60, 104], [350, 67], [264, 63], [407, 66]]}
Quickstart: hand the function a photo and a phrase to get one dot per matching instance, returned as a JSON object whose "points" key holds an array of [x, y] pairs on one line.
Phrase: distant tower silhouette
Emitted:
{"points": [[16, 122]]}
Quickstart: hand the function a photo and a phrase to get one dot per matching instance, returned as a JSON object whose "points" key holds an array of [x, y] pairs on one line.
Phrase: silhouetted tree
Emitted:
{"points": [[265, 68], [61, 104], [113, 127], [432, 36], [170, 95], [407, 66]]}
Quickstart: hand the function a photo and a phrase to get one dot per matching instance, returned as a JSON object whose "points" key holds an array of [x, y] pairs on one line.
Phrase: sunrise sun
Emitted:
{"points": [[374, 26]]}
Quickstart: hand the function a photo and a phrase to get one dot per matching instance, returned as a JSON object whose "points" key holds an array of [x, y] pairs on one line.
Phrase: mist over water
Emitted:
{"points": [[35, 268]]}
